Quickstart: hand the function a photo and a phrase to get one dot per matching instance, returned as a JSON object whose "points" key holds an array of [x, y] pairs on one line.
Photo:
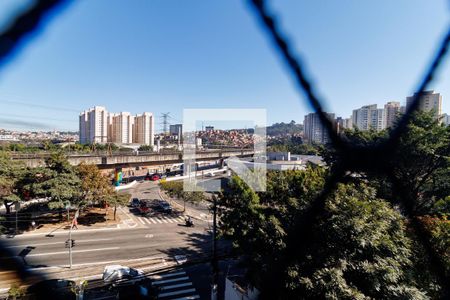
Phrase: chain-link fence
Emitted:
{"points": [[350, 157]]}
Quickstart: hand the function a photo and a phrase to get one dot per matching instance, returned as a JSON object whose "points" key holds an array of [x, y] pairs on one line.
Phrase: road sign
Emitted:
{"points": [[67, 204], [17, 205]]}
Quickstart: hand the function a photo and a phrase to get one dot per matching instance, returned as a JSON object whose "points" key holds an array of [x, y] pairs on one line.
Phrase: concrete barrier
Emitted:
{"points": [[125, 186]]}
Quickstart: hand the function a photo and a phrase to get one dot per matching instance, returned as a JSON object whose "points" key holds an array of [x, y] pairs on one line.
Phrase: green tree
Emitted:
{"points": [[95, 187], [359, 248], [145, 148], [11, 172], [58, 181], [175, 189], [117, 199]]}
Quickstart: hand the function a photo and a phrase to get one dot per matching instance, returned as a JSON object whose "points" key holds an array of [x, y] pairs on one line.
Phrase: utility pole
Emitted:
{"points": [[17, 207], [215, 266]]}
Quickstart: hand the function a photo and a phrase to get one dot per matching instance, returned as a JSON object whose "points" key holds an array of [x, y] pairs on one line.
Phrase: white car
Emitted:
{"points": [[118, 273]]}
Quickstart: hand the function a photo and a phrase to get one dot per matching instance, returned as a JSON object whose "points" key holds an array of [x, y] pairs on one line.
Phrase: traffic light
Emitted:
{"points": [[72, 243]]}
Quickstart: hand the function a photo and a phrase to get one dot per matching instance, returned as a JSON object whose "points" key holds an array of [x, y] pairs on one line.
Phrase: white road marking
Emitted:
{"points": [[154, 277], [73, 251], [168, 219], [170, 280], [159, 221], [140, 220], [123, 261], [176, 293], [56, 243], [154, 222], [181, 218], [147, 220], [188, 297]]}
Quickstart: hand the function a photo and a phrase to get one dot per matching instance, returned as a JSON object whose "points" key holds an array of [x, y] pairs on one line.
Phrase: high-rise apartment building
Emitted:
{"points": [[391, 112], [429, 101], [446, 119], [143, 130], [109, 126], [96, 125], [368, 117], [93, 125], [348, 124], [314, 131], [122, 128], [84, 128]]}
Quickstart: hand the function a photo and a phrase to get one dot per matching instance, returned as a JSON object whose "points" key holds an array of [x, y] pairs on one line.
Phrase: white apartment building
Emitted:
{"points": [[367, 117], [96, 125], [446, 119], [143, 131], [348, 124], [93, 126], [429, 101], [391, 112], [314, 131], [122, 128], [83, 128]]}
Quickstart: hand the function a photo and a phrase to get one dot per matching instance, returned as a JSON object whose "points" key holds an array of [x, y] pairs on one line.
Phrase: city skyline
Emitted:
{"points": [[150, 72]]}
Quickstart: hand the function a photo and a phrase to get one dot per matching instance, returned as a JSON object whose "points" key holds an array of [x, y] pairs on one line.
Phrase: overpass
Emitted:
{"points": [[126, 160]]}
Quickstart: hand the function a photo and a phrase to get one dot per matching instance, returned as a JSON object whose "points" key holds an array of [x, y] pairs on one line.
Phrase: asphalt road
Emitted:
{"points": [[145, 237]]}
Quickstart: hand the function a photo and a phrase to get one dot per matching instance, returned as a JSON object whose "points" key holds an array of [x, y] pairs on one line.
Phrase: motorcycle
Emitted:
{"points": [[189, 223]]}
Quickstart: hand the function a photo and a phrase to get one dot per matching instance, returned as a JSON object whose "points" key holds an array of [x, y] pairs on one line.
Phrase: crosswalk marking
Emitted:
{"points": [[160, 220], [169, 287], [169, 220], [170, 280], [176, 293], [174, 285], [188, 297], [168, 275]]}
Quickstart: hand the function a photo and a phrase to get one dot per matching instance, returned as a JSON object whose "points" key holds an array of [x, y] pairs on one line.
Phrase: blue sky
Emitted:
{"points": [[166, 55]]}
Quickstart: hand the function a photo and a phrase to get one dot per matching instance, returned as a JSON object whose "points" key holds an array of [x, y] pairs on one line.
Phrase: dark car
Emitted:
{"points": [[52, 289], [143, 207], [135, 202], [165, 207]]}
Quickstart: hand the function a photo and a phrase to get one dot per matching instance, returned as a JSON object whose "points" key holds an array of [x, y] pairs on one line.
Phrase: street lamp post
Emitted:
{"points": [[17, 207], [215, 266]]}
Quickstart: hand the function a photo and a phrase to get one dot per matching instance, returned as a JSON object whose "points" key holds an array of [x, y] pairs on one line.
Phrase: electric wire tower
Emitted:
{"points": [[165, 122]]}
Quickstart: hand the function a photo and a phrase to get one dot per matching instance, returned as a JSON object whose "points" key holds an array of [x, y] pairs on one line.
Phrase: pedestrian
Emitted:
{"points": [[75, 223]]}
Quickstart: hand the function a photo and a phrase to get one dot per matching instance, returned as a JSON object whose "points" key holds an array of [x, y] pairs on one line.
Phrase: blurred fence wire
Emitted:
{"points": [[351, 157]]}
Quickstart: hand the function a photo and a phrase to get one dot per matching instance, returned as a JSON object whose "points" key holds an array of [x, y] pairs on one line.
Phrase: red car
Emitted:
{"points": [[143, 208], [153, 177]]}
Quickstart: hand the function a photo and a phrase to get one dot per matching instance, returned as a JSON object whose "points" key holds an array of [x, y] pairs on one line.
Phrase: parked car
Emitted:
{"points": [[121, 274], [135, 202], [143, 207], [165, 207], [52, 289]]}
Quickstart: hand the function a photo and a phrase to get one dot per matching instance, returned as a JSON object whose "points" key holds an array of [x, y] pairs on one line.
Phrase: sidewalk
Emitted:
{"points": [[92, 220], [189, 211]]}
